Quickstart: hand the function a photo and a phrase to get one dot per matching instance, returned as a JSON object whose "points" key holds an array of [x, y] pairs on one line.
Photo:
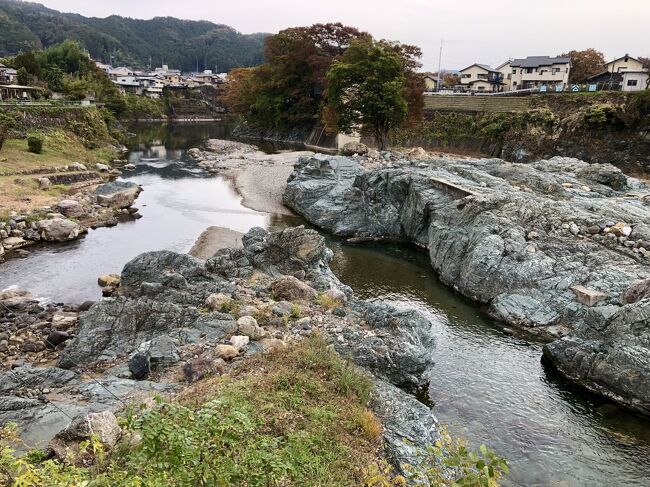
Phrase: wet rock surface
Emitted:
{"points": [[550, 246], [174, 318]]}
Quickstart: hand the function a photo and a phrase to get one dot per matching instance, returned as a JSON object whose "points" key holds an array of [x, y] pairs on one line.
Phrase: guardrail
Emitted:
{"points": [[53, 103]]}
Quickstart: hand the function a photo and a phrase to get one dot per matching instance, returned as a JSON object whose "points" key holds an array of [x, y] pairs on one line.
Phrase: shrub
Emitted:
{"points": [[3, 135], [599, 116], [35, 144]]}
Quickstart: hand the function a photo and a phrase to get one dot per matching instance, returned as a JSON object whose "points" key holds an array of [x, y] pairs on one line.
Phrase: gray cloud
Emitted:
{"points": [[473, 30]]}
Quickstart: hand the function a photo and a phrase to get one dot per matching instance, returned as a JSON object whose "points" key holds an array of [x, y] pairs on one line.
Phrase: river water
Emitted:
{"points": [[485, 386]]}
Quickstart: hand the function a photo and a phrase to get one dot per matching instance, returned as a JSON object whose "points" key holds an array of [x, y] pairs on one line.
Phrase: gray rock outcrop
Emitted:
{"points": [[547, 245], [117, 194]]}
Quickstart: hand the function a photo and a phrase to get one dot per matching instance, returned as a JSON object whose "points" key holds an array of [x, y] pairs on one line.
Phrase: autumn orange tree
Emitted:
{"points": [[286, 90], [585, 64]]}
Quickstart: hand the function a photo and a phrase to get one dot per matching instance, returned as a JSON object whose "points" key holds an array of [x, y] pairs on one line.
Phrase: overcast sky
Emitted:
{"points": [[473, 30]]}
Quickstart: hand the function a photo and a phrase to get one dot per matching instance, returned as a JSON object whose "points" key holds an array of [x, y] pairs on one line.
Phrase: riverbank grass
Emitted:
{"points": [[21, 192], [60, 148], [293, 417]]}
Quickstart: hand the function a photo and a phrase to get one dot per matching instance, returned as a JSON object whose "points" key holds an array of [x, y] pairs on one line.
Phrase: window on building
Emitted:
{"points": [[529, 70], [514, 71], [482, 76], [465, 75], [556, 70], [631, 82]]}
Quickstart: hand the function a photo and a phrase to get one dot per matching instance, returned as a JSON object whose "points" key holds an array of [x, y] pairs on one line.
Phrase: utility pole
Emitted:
{"points": [[439, 64]]}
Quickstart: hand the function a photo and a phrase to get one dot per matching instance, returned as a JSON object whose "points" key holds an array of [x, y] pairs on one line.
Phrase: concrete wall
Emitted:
{"points": [[476, 103]]}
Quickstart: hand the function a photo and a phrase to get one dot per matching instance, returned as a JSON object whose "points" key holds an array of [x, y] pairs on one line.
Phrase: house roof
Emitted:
{"points": [[622, 57], [537, 61], [483, 66], [606, 76], [504, 64]]}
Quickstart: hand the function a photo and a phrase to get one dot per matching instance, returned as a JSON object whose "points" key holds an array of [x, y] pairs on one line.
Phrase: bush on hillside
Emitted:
{"points": [[3, 135], [35, 144]]}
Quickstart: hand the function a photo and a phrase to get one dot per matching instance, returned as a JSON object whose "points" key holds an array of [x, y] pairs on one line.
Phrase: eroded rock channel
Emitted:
{"points": [[557, 247], [488, 386]]}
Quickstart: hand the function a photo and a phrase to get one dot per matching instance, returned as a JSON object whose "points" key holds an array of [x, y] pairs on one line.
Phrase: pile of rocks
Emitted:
{"points": [[32, 332], [551, 246], [173, 316], [70, 217]]}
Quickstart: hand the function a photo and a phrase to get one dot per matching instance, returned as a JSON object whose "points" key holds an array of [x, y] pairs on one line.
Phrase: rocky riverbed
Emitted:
{"points": [[98, 206], [173, 319], [559, 247]]}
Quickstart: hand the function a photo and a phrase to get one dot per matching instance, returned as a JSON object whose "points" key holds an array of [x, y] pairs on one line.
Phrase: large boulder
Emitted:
{"points": [[117, 194], [103, 427], [59, 229], [288, 288], [395, 344], [354, 148], [71, 208]]}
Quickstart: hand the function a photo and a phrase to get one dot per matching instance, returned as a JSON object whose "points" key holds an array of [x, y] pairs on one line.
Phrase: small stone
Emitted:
{"points": [[56, 338], [247, 326], [340, 312], [239, 342], [140, 366], [593, 229], [218, 301], [226, 352], [587, 296], [109, 280], [532, 235], [574, 229]]}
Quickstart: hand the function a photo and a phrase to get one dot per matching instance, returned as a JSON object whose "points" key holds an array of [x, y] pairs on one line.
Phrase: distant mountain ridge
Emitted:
{"points": [[178, 43]]}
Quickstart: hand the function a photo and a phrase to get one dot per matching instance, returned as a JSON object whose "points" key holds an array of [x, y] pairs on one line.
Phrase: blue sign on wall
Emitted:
{"points": [[543, 88], [593, 87], [559, 88], [575, 88]]}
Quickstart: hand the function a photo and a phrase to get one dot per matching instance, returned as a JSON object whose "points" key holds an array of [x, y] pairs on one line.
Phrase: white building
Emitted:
{"points": [[538, 71], [480, 77], [634, 80], [625, 63]]}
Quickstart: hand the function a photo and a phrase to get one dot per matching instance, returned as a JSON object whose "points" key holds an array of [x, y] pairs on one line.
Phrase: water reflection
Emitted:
{"points": [[493, 389], [490, 388]]}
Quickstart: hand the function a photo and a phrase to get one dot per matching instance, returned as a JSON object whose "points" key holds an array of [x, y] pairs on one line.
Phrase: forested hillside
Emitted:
{"points": [[178, 43]]}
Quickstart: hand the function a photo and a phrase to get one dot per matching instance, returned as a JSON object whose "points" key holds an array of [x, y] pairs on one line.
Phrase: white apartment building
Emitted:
{"points": [[538, 71]]}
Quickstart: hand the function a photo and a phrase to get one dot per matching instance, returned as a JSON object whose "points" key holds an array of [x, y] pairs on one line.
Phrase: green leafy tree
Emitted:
{"points": [[22, 76], [368, 90]]}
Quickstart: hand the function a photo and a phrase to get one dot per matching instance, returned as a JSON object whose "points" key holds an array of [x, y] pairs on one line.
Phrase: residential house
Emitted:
{"points": [[104, 67], [481, 77], [635, 80], [625, 63], [173, 76], [17, 92], [152, 86], [430, 82], [7, 75], [207, 77], [122, 71], [551, 73], [506, 74], [128, 84]]}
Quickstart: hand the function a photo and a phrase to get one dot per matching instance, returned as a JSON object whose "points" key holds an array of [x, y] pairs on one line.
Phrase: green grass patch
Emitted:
{"points": [[292, 418]]}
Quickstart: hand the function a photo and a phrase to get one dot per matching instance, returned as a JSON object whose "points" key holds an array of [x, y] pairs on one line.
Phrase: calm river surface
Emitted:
{"points": [[487, 387]]}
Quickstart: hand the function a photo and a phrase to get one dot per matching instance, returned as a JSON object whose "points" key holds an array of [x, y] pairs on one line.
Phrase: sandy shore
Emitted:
{"points": [[214, 239], [261, 187]]}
